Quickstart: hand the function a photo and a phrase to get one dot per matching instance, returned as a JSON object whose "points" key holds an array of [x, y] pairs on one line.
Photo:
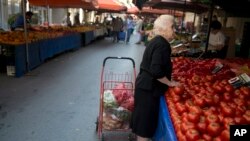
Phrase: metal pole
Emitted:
{"points": [[184, 10], [194, 23], [209, 21], [1, 4], [26, 35], [48, 15]]}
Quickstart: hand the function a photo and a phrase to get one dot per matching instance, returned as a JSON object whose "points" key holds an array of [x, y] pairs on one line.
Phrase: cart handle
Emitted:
{"points": [[126, 58]]}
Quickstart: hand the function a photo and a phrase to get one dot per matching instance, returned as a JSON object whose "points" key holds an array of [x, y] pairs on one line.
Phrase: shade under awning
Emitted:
{"points": [[65, 3], [180, 5], [133, 10], [110, 6], [149, 10]]}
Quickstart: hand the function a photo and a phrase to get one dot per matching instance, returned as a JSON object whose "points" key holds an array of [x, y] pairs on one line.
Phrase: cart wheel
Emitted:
{"points": [[97, 124], [131, 137], [102, 137]]}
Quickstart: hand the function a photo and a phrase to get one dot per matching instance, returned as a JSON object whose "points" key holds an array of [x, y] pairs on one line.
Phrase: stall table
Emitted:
{"points": [[39, 51], [165, 130]]}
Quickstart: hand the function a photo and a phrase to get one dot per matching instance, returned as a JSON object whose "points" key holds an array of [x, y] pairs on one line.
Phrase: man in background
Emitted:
{"points": [[19, 21]]}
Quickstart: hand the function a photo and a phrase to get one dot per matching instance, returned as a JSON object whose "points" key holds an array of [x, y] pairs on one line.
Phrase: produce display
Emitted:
{"points": [[18, 37], [118, 105], [206, 104]]}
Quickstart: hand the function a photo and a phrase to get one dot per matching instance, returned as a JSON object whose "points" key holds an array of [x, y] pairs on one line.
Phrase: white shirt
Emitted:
{"points": [[138, 26], [216, 39]]}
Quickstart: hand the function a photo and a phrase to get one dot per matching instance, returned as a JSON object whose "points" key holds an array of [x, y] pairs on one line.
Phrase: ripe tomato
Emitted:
{"points": [[214, 129], [221, 117], [237, 92], [185, 126], [195, 79], [209, 100], [218, 88], [239, 120], [193, 117], [227, 111], [178, 90], [202, 118], [188, 103], [192, 135], [227, 96], [240, 110], [202, 127], [207, 137], [181, 136], [229, 88], [195, 109], [247, 118], [207, 112], [210, 89], [245, 90], [199, 101], [212, 118], [180, 108], [217, 139], [239, 102], [216, 99], [225, 135], [209, 78], [176, 98], [227, 122]]}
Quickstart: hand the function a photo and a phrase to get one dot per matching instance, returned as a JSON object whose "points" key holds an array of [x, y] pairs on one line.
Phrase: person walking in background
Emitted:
{"points": [[153, 80], [117, 27], [76, 19], [139, 29], [67, 20], [130, 27]]}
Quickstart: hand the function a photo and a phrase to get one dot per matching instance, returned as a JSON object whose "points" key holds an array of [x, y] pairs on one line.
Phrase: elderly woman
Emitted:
{"points": [[154, 79]]}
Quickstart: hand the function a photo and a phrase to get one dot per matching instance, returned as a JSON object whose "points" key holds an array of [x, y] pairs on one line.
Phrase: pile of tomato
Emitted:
{"points": [[205, 106]]}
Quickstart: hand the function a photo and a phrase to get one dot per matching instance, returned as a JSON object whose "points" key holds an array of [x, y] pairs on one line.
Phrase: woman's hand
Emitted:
{"points": [[174, 83]]}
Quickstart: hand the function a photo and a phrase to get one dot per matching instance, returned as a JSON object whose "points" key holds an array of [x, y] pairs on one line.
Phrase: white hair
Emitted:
{"points": [[163, 26], [163, 22]]}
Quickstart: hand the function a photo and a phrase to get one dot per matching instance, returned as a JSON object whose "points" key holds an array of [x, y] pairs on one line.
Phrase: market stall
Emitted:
{"points": [[111, 6], [65, 3], [208, 102], [38, 52]]}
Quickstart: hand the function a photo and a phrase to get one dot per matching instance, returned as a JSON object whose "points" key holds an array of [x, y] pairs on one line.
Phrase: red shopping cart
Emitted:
{"points": [[116, 98]]}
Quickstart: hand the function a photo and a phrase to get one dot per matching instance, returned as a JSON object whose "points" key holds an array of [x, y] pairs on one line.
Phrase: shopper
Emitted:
{"points": [[117, 25], [67, 20], [216, 41], [129, 25], [139, 28], [154, 79], [76, 20], [19, 21]]}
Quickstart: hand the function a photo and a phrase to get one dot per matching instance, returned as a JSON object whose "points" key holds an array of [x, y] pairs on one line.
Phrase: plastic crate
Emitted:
{"points": [[165, 130], [11, 70], [122, 36]]}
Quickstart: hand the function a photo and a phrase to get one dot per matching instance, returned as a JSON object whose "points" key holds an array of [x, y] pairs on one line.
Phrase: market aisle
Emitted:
{"points": [[59, 100]]}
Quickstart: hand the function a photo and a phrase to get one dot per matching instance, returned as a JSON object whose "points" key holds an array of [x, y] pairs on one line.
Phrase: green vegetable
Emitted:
{"points": [[109, 100]]}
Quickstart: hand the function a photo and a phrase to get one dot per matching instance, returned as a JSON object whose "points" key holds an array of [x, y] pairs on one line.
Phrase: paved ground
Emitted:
{"points": [[59, 100]]}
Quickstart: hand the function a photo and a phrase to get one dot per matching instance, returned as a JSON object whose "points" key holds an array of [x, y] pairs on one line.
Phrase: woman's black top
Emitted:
{"points": [[156, 63]]}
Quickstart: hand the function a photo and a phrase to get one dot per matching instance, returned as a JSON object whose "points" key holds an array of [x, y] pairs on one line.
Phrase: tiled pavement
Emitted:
{"points": [[59, 100]]}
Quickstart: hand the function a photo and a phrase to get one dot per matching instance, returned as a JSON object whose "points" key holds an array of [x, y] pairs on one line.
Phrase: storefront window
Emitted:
{"points": [[14, 6]]}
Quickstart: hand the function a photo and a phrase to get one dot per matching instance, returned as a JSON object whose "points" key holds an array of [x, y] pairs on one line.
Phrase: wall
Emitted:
{"points": [[58, 14], [238, 24]]}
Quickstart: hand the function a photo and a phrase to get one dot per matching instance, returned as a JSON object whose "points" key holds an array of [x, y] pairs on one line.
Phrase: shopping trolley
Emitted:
{"points": [[116, 99]]}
